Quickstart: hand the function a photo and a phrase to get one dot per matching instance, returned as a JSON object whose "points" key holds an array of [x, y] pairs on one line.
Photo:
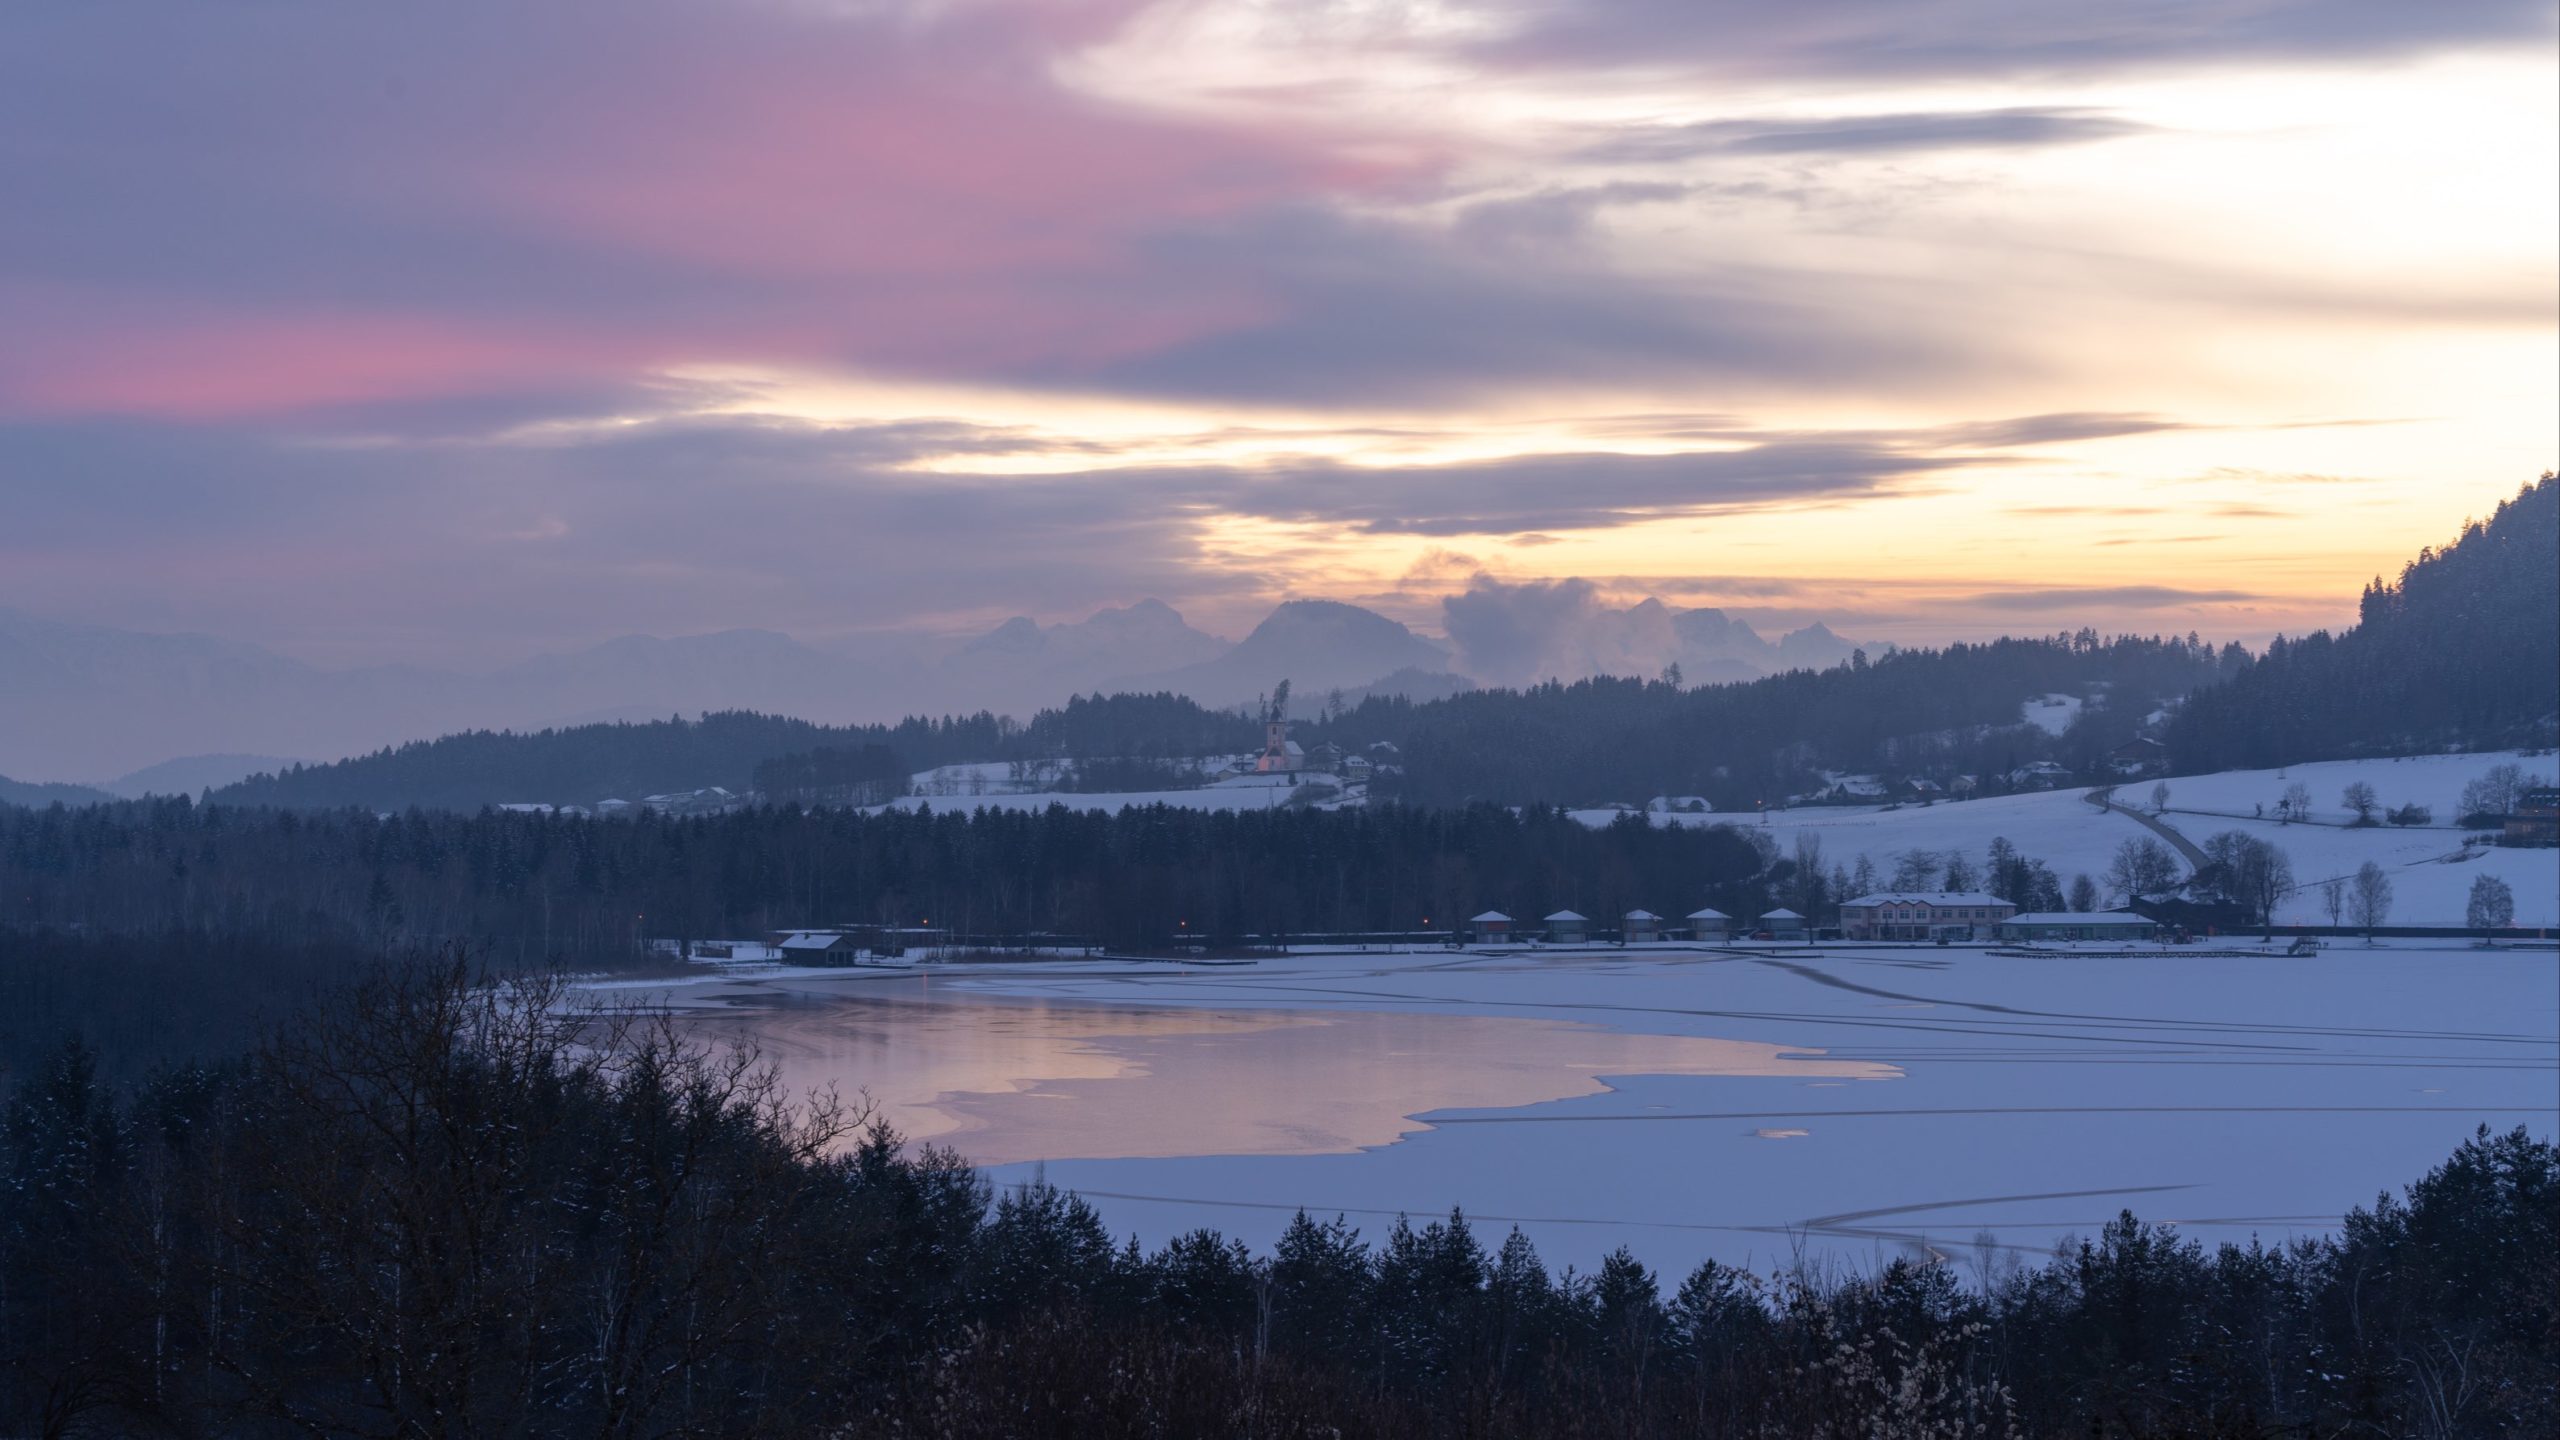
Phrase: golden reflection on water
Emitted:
{"points": [[1004, 1080]]}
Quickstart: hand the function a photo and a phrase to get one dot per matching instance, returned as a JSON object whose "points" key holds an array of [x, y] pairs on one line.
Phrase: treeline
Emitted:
{"points": [[591, 891], [430, 1208], [579, 765], [2463, 649], [1932, 713], [1911, 713]]}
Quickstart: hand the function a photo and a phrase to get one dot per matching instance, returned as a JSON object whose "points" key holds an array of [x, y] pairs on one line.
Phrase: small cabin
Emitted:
{"points": [[1710, 925], [1492, 926], [1783, 924], [1640, 927], [1567, 928], [818, 947]]}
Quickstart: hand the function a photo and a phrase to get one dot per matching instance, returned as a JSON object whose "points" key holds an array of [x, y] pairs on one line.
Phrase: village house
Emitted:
{"points": [[1492, 926], [1710, 925], [1567, 928], [1783, 924], [2139, 756], [1640, 926], [1923, 915], [2073, 925], [2042, 775], [2536, 818]]}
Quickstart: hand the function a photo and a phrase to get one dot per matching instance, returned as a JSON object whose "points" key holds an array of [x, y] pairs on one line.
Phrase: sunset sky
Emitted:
{"points": [[447, 334]]}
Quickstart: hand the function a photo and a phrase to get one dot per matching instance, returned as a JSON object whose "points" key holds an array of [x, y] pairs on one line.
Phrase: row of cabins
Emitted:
{"points": [[1565, 927], [1887, 915]]}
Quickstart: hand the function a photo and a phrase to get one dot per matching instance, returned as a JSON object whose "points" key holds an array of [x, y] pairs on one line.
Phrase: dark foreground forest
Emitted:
{"points": [[425, 1207]]}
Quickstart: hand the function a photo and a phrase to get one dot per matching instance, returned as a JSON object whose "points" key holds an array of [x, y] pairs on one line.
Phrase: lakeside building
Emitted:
{"points": [[1491, 925], [1783, 924], [1710, 925], [1640, 926], [2075, 925], [1924, 915], [1567, 928]]}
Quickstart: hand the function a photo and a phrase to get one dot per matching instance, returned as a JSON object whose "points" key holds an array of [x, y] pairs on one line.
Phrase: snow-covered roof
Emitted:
{"points": [[1642, 915], [1568, 916], [1708, 915], [1927, 897], [2079, 917], [1780, 915], [812, 941], [1488, 918]]}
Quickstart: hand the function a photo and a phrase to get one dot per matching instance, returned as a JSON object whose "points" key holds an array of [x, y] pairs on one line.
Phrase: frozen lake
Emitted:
{"points": [[1847, 1102]]}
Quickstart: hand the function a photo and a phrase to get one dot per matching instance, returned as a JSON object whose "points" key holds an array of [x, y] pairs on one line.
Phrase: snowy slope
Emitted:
{"points": [[2061, 828], [1244, 792]]}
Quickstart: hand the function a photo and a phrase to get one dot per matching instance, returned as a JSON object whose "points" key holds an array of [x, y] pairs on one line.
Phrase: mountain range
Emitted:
{"points": [[79, 702]]}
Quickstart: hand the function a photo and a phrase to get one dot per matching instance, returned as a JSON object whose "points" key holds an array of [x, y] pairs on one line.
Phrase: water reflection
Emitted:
{"points": [[1005, 1080]]}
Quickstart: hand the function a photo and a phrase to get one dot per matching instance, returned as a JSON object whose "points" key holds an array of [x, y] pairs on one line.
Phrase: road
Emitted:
{"points": [[2104, 798]]}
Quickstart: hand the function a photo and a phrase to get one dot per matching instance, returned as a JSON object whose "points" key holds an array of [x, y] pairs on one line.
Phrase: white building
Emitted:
{"points": [[1710, 925], [2077, 925], [1924, 915]]}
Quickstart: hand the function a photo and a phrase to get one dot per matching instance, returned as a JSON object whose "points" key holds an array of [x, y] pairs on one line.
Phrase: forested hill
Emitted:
{"points": [[1914, 712], [2464, 650], [24, 792], [582, 764]]}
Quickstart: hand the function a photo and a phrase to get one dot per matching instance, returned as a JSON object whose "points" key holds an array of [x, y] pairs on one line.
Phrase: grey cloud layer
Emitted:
{"points": [[1994, 38]]}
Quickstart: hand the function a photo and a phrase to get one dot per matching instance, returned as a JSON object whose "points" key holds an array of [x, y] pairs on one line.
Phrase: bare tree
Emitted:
{"points": [[1916, 870], [2252, 873], [2371, 897], [2333, 898], [2159, 797], [2142, 867], [2361, 799], [2492, 905], [2295, 803]]}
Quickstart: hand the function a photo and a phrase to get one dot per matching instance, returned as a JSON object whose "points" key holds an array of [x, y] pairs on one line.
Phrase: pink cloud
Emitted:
{"points": [[640, 186]]}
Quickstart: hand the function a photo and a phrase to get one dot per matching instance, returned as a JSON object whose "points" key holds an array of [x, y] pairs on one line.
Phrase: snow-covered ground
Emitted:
{"points": [[2431, 870], [1848, 1103], [2052, 714], [1239, 792]]}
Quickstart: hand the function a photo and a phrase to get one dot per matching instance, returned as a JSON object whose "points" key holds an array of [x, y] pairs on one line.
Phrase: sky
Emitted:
{"points": [[451, 334]]}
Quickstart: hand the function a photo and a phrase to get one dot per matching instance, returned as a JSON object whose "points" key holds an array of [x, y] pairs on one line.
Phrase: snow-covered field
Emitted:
{"points": [[2431, 870], [1846, 1103], [969, 787]]}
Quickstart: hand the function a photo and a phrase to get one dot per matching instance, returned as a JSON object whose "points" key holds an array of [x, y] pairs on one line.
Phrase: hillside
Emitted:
{"points": [[21, 792], [2462, 650], [2430, 868], [582, 764], [1914, 712]]}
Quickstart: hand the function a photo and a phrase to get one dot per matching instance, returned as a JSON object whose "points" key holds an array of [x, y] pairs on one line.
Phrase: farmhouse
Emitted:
{"points": [[2071, 925], [2140, 755], [1923, 915], [2536, 819]]}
